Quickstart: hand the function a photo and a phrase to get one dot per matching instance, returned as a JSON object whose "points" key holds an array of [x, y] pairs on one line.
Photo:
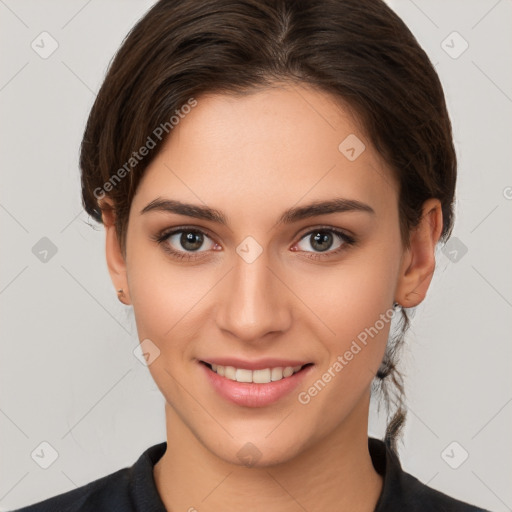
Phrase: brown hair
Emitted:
{"points": [[360, 51]]}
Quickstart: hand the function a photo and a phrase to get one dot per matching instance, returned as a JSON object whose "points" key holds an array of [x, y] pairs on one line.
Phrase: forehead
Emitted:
{"points": [[277, 144]]}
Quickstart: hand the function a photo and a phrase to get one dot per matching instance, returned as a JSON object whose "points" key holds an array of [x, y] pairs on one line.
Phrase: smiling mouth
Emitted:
{"points": [[262, 376]]}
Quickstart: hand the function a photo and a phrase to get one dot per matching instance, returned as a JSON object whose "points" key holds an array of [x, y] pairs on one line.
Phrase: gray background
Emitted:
{"points": [[68, 375]]}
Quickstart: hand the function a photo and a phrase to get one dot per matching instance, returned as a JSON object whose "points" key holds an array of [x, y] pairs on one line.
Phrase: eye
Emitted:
{"points": [[190, 243], [322, 240], [184, 242]]}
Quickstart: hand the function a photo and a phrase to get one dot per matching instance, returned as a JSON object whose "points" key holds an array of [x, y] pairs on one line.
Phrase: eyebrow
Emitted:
{"points": [[295, 214]]}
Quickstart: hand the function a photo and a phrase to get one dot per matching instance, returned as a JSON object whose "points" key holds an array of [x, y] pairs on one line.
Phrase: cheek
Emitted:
{"points": [[354, 303], [168, 316], [163, 294], [360, 317], [351, 296]]}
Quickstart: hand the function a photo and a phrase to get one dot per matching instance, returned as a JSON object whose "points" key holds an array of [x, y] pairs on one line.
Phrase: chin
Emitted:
{"points": [[258, 451]]}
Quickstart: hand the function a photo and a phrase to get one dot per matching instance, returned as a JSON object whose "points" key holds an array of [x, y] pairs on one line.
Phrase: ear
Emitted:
{"points": [[418, 262], [115, 260]]}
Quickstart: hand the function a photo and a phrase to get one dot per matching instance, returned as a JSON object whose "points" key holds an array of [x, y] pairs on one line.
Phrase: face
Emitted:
{"points": [[250, 277]]}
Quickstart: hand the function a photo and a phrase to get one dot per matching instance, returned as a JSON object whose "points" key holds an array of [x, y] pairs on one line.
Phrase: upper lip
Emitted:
{"points": [[256, 364]]}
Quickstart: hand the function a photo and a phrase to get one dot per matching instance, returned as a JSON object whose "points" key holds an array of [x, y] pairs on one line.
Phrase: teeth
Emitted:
{"points": [[276, 374], [243, 375], [263, 376], [287, 371], [230, 372], [260, 376]]}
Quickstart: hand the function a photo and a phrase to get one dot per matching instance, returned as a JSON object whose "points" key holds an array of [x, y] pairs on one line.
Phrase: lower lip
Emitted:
{"points": [[249, 394]]}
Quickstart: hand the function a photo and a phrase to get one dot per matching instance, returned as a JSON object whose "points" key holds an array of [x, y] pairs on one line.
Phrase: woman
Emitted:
{"points": [[273, 178]]}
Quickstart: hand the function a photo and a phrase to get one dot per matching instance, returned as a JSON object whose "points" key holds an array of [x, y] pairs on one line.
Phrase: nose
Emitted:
{"points": [[253, 302]]}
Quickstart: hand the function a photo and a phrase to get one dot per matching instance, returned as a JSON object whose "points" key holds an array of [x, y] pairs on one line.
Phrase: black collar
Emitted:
{"points": [[400, 492]]}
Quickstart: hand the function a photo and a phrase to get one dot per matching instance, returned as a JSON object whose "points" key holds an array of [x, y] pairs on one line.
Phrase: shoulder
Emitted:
{"points": [[129, 489], [97, 495], [402, 491], [420, 497]]}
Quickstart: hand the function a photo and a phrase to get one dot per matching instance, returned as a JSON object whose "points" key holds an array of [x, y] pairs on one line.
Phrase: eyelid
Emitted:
{"points": [[325, 227], [167, 232]]}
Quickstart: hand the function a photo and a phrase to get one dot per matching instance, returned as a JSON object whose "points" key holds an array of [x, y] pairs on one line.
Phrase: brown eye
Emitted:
{"points": [[322, 240], [187, 240], [185, 243], [319, 242], [191, 240]]}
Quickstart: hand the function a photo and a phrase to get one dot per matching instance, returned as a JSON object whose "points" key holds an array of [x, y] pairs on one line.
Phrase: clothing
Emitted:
{"points": [[133, 489]]}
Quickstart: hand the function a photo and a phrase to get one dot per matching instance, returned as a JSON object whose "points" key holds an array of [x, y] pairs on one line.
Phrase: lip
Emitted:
{"points": [[250, 394], [259, 364]]}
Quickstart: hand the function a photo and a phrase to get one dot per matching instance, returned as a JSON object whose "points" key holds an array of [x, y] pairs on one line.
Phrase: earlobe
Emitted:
{"points": [[418, 262], [115, 260]]}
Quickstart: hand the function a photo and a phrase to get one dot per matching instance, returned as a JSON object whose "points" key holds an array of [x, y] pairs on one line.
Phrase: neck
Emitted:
{"points": [[334, 474]]}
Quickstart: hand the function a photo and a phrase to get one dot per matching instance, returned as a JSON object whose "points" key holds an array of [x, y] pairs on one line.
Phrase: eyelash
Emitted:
{"points": [[162, 237]]}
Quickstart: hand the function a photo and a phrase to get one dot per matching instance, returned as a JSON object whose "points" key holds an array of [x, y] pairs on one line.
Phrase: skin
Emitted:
{"points": [[252, 157]]}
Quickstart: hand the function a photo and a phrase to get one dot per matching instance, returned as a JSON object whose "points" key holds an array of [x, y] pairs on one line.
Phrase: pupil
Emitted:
{"points": [[321, 239], [194, 239]]}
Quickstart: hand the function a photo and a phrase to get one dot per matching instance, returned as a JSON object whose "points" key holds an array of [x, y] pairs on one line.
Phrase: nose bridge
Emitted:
{"points": [[252, 303]]}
